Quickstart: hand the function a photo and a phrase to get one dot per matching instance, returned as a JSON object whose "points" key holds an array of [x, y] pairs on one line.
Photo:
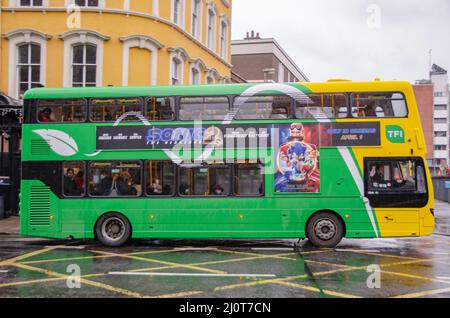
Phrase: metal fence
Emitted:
{"points": [[442, 189]]}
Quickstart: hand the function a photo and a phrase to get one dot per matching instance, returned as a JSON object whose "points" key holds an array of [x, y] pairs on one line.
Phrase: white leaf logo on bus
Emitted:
{"points": [[59, 141]]}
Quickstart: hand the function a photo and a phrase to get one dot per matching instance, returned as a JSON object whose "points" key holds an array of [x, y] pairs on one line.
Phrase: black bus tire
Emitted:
{"points": [[113, 230], [325, 230]]}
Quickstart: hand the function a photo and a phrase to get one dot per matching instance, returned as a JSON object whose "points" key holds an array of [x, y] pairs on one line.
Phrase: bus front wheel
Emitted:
{"points": [[325, 230], [113, 230]]}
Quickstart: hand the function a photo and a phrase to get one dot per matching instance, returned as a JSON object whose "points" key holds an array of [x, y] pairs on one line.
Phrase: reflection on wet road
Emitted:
{"points": [[248, 269]]}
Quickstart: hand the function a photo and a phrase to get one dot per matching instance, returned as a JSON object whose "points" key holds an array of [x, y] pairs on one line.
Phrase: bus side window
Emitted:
{"points": [[73, 179], [248, 180], [115, 179], [379, 105], [204, 108], [205, 181], [61, 111], [160, 178], [322, 106], [262, 107], [160, 108], [111, 109]]}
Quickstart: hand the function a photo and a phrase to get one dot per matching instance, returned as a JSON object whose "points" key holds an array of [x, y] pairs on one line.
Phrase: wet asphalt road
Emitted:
{"points": [[412, 267]]}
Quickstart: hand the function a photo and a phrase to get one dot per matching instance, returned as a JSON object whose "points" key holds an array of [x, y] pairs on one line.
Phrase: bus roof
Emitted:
{"points": [[207, 90]]}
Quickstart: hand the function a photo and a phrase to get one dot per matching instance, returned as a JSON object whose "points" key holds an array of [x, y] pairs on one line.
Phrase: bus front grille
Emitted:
{"points": [[40, 206]]}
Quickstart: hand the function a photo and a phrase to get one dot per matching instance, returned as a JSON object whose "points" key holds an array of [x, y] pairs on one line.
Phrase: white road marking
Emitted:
{"points": [[280, 249], [3, 271], [443, 277], [357, 251], [191, 275], [68, 247]]}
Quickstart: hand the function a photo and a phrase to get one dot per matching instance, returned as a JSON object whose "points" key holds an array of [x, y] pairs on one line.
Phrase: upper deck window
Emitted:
{"points": [[263, 107], [379, 105], [111, 109], [204, 108], [320, 106], [61, 110], [161, 108]]}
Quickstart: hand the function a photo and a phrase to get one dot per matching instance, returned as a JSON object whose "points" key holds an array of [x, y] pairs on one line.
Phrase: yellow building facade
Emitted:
{"points": [[65, 43]]}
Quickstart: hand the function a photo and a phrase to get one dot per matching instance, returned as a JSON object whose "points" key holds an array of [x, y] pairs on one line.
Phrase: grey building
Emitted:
{"points": [[263, 60]]}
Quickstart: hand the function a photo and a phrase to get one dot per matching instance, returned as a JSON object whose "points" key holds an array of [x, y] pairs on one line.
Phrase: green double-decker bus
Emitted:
{"points": [[318, 160]]}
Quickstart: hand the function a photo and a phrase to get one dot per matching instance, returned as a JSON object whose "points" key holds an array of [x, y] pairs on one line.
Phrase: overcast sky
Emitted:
{"points": [[354, 39]]}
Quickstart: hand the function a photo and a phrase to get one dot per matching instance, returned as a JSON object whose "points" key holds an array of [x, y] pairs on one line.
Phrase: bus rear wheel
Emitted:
{"points": [[113, 230], [325, 230]]}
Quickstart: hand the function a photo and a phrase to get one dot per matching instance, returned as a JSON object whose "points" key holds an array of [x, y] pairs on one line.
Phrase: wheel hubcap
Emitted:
{"points": [[113, 228], [325, 229]]}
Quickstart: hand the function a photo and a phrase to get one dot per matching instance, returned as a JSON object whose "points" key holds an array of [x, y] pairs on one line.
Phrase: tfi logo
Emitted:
{"points": [[395, 134]]}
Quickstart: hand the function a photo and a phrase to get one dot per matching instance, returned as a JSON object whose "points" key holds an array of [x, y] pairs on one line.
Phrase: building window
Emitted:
{"points": [[440, 107], [84, 65], [176, 77], [29, 67], [31, 3], [440, 147], [224, 39], [209, 80], [178, 12], [211, 30], [86, 3], [195, 76], [440, 120], [440, 134], [196, 19]]}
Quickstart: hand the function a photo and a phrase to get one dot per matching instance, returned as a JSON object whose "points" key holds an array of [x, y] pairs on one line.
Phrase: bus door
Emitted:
{"points": [[396, 189]]}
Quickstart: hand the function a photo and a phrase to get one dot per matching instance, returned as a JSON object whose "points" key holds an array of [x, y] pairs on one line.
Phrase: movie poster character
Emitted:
{"points": [[297, 164]]}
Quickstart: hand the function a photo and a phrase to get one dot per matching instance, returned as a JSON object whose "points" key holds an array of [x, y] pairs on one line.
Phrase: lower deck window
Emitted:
{"points": [[73, 179], [249, 180], [115, 179], [205, 181], [160, 178]]}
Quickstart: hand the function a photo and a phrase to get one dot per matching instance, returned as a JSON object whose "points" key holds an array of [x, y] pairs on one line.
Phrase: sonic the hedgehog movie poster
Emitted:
{"points": [[297, 162]]}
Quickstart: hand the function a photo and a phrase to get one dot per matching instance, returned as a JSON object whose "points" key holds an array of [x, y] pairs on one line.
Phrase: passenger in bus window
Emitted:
{"points": [[218, 190], [44, 115], [79, 180], [70, 186], [124, 185], [104, 187]]}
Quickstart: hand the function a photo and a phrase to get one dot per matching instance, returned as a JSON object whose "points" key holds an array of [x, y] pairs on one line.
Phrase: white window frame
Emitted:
{"points": [[143, 42], [28, 64], [198, 66], [181, 13], [197, 28], [179, 55], [20, 37], [223, 45], [212, 76], [84, 63], [82, 36], [211, 30]]}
